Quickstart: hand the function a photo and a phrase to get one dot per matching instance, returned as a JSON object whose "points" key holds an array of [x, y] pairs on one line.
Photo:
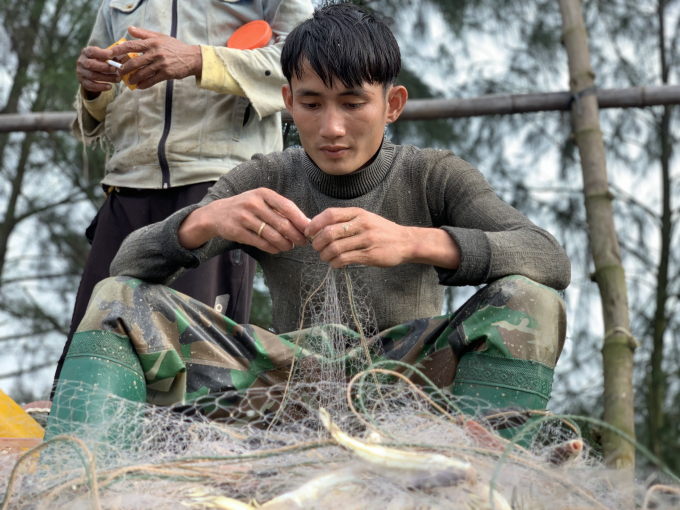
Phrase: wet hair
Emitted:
{"points": [[345, 42]]}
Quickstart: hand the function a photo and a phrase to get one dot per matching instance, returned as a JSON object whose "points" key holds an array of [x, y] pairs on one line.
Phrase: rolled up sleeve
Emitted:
{"points": [[255, 74]]}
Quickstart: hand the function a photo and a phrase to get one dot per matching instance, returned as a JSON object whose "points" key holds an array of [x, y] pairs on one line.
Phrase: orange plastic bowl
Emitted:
{"points": [[250, 36]]}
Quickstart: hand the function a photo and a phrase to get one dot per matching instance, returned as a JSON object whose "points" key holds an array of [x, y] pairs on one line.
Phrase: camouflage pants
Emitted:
{"points": [[188, 350]]}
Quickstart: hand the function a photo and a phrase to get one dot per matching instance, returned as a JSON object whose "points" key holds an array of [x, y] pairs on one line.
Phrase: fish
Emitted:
{"points": [[312, 490], [483, 437], [565, 453], [201, 499], [479, 500], [384, 457]]}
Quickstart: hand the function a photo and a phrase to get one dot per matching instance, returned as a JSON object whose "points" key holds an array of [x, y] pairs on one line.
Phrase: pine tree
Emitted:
{"points": [[44, 202]]}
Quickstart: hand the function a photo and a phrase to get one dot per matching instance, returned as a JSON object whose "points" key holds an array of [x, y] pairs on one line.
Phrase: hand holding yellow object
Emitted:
{"points": [[121, 59]]}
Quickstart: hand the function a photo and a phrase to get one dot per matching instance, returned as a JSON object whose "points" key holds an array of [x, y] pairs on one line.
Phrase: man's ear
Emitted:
{"points": [[396, 100], [287, 94]]}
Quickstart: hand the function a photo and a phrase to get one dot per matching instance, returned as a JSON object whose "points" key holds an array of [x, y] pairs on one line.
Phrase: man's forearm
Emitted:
{"points": [[433, 246]]}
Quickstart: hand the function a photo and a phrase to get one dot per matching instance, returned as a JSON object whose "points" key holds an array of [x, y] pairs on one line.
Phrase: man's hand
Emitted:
{"points": [[240, 218], [164, 58], [345, 236], [92, 68]]}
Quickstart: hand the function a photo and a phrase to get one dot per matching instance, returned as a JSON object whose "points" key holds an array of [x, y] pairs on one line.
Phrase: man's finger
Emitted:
{"points": [[330, 217], [348, 258], [140, 46], [138, 62], [282, 225], [335, 232], [287, 209], [96, 65], [262, 244], [131, 47], [142, 74], [272, 235], [269, 233], [143, 33], [341, 248], [92, 52], [153, 80], [90, 75], [94, 86]]}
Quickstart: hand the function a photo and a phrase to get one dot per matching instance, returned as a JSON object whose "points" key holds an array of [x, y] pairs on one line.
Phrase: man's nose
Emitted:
{"points": [[332, 124]]}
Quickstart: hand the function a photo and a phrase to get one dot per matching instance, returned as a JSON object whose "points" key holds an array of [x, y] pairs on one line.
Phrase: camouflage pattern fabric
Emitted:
{"points": [[188, 350]]}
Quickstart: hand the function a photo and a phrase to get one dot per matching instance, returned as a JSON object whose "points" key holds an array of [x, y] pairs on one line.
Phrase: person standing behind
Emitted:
{"points": [[198, 110]]}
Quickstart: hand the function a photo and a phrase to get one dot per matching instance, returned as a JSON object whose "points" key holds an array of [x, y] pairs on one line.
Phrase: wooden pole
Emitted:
{"points": [[618, 347], [426, 109], [43, 121]]}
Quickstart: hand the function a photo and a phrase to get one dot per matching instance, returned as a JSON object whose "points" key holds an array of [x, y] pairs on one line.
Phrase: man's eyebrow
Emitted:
{"points": [[350, 92], [354, 92], [307, 92]]}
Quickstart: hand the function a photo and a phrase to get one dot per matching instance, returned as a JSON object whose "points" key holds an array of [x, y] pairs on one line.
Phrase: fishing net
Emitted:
{"points": [[359, 438], [140, 456]]}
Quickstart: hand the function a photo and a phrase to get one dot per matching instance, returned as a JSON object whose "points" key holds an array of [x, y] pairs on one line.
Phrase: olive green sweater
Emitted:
{"points": [[407, 185]]}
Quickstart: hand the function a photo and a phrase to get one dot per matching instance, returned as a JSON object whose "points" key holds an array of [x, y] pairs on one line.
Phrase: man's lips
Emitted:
{"points": [[334, 151]]}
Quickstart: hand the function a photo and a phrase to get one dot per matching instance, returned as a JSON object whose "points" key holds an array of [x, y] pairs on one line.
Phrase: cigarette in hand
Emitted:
{"points": [[114, 64]]}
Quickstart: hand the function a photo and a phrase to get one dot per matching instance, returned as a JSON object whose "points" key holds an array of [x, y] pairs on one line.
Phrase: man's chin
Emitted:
{"points": [[337, 170], [335, 166]]}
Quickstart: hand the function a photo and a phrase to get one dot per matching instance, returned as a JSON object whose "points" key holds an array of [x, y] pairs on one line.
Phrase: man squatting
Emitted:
{"points": [[403, 221]]}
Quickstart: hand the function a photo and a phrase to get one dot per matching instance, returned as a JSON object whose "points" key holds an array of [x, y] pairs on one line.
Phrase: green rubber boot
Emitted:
{"points": [[502, 383], [98, 364]]}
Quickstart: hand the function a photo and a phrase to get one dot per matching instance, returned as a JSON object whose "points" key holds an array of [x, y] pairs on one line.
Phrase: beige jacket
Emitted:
{"points": [[188, 131]]}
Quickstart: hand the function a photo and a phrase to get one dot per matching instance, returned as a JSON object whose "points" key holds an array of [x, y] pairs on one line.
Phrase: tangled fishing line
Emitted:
{"points": [[375, 441]]}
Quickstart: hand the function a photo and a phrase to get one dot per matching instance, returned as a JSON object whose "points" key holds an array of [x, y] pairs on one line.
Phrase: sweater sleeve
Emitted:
{"points": [[495, 240], [153, 253]]}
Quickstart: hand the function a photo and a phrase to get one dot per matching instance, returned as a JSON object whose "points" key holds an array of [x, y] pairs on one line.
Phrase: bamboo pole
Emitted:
{"points": [[43, 121], [426, 109], [618, 347]]}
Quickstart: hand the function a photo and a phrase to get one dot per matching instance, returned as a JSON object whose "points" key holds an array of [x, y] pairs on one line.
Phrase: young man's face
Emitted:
{"points": [[341, 129]]}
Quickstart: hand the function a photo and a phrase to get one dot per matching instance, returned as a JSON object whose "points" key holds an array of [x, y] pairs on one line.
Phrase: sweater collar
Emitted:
{"points": [[355, 184]]}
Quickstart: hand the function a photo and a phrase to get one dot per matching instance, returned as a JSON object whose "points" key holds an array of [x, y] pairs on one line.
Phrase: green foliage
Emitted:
{"points": [[515, 152], [261, 309], [45, 204], [291, 137]]}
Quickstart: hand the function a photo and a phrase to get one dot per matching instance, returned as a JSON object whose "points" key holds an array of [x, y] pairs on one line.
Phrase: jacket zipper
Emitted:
{"points": [[169, 86]]}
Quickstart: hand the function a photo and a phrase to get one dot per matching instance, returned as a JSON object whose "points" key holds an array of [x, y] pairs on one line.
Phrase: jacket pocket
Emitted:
{"points": [[125, 13], [241, 111], [122, 120], [126, 6]]}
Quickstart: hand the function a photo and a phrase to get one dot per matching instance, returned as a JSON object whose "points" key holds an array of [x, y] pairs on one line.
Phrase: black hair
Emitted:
{"points": [[346, 42]]}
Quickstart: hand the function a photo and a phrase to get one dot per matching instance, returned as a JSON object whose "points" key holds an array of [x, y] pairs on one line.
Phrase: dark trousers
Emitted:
{"points": [[224, 282]]}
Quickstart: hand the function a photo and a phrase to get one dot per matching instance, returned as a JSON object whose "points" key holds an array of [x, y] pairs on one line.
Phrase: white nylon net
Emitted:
{"points": [[142, 457], [396, 446]]}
